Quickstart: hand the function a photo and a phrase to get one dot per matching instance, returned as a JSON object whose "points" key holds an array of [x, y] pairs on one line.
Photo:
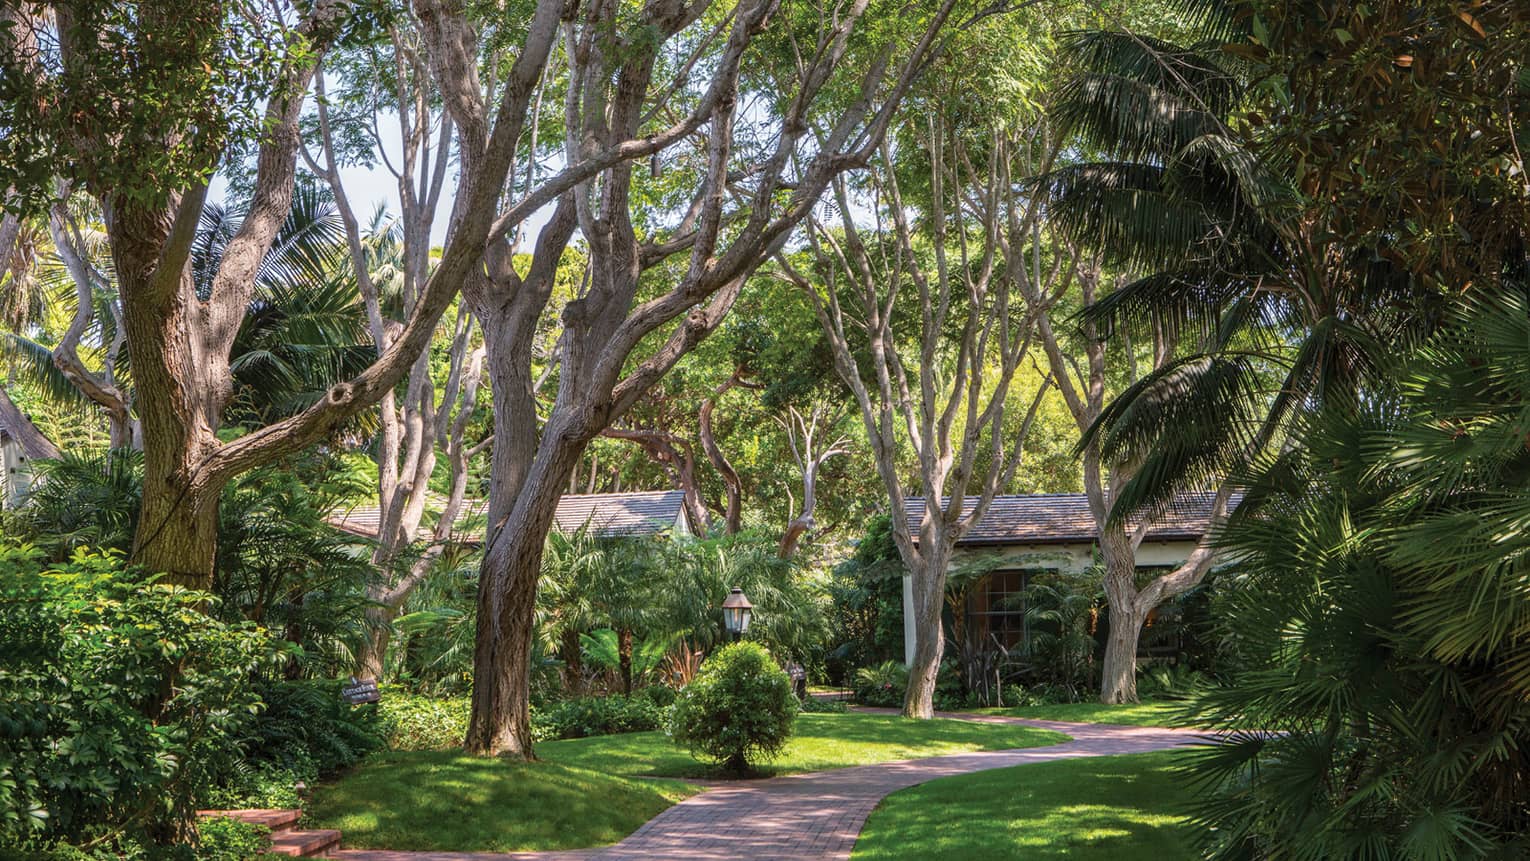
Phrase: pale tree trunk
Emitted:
{"points": [[929, 639], [800, 437], [100, 388], [968, 344], [408, 438]]}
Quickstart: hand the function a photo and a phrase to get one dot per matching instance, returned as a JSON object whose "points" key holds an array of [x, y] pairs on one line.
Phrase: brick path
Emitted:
{"points": [[815, 816]]}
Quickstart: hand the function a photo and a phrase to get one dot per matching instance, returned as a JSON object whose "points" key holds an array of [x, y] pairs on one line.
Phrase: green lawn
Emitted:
{"points": [[1136, 714], [1120, 808], [821, 742], [445, 801]]}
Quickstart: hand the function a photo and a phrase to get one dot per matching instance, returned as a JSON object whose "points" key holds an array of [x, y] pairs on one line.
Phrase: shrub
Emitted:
{"points": [[881, 685], [739, 709], [587, 716], [224, 839], [310, 723], [814, 705], [414, 722], [123, 700], [306, 731], [662, 696]]}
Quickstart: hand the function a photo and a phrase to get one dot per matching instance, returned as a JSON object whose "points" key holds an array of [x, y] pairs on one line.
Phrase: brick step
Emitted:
{"points": [[276, 820], [284, 839], [305, 844]]}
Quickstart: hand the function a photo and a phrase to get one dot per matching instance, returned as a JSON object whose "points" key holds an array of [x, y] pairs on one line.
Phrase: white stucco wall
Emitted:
{"points": [[15, 473], [1057, 557]]}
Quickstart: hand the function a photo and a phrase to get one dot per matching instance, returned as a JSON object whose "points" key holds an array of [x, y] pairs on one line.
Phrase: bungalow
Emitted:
{"points": [[21, 443], [1019, 535], [607, 515]]}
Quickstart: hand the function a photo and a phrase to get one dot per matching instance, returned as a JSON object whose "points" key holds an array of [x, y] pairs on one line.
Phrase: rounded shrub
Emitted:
{"points": [[740, 708]]}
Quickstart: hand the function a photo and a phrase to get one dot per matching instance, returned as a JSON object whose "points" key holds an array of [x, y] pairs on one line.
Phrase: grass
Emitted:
{"points": [[821, 742], [445, 801], [1151, 713], [1121, 808]]}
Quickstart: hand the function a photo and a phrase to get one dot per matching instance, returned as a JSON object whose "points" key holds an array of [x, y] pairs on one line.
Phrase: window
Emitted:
{"points": [[999, 609]]}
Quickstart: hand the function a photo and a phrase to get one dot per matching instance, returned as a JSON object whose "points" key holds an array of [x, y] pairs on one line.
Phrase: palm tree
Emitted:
{"points": [[1275, 316], [1384, 618]]}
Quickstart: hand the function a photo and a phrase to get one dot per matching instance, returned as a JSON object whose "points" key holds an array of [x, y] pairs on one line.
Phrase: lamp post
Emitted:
{"points": [[736, 612]]}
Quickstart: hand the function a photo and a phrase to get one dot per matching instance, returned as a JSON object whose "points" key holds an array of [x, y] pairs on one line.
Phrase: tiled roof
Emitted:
{"points": [[14, 425], [1064, 518], [607, 514]]}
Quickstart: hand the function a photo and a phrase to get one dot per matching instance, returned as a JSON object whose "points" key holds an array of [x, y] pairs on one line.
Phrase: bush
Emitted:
{"points": [[881, 685], [814, 705], [662, 696], [305, 732], [739, 709], [123, 700], [224, 839], [414, 722], [309, 723], [587, 716]]}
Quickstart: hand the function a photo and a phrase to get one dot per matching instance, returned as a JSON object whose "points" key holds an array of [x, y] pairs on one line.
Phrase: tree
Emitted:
{"points": [[932, 373], [1383, 617], [166, 90], [651, 292], [1243, 206]]}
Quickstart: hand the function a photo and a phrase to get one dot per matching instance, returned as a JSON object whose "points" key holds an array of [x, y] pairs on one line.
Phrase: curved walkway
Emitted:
{"points": [[818, 815]]}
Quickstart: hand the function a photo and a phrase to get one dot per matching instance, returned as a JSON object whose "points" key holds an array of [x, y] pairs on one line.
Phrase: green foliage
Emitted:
{"points": [[603, 648], [1384, 618], [83, 499], [866, 603], [1059, 652], [817, 705], [224, 839], [881, 685], [739, 709], [124, 700], [415, 722], [280, 565], [307, 728], [587, 716]]}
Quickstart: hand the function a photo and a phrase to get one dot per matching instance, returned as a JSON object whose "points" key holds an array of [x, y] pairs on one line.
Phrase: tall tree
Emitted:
{"points": [[931, 372], [651, 291], [140, 104]]}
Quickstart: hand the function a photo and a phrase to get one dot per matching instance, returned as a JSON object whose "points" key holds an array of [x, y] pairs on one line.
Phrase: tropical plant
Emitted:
{"points": [[604, 648], [1384, 622], [83, 499], [1059, 649], [788, 595], [739, 710], [126, 701], [882, 684]]}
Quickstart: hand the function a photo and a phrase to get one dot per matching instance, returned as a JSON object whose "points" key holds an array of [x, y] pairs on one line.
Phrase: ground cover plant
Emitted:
{"points": [[820, 742], [449, 801], [1110, 808]]}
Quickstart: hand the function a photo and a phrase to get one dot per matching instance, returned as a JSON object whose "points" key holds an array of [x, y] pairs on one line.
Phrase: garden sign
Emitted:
{"points": [[360, 691]]}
